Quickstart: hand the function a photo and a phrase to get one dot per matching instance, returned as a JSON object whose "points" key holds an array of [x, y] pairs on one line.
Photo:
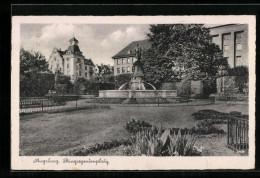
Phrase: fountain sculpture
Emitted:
{"points": [[137, 87]]}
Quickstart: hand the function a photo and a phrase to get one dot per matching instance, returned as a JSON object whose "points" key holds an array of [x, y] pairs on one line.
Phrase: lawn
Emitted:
{"points": [[50, 134]]}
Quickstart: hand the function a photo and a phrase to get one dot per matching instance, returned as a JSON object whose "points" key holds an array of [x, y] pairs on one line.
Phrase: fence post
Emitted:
{"points": [[94, 101], [76, 102], [158, 102], [42, 105], [228, 125]]}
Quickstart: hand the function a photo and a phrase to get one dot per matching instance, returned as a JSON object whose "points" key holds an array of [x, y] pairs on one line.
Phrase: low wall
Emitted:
{"points": [[137, 93]]}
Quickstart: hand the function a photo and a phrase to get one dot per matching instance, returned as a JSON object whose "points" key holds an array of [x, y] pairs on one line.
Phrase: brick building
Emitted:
{"points": [[71, 62]]}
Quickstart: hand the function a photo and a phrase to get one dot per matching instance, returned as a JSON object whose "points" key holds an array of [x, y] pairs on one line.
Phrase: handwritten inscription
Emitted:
{"points": [[71, 161]]}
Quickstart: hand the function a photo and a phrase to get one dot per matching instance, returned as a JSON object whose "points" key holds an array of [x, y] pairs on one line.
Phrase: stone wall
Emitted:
{"points": [[226, 85], [197, 87]]}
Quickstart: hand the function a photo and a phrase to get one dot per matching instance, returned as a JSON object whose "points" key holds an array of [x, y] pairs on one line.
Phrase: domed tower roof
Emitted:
{"points": [[73, 47], [73, 40]]}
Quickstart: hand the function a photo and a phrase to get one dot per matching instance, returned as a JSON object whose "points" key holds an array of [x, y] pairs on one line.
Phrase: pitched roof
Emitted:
{"points": [[144, 44], [88, 62]]}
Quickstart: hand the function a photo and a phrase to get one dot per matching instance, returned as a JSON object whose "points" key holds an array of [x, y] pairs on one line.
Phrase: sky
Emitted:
{"points": [[97, 41]]}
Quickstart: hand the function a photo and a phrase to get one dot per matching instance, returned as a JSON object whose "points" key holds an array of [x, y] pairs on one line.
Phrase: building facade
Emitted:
{"points": [[124, 59], [71, 62], [232, 39]]}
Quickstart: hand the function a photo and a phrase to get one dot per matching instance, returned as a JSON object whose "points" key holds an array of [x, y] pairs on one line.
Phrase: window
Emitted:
{"points": [[226, 37], [86, 68], [118, 70], [79, 73], [128, 60], [86, 74], [68, 66], [133, 68], [118, 61], [214, 39], [128, 69], [239, 46], [226, 47], [239, 58], [123, 69], [239, 35]]}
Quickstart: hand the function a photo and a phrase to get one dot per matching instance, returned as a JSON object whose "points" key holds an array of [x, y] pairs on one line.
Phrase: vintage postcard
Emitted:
{"points": [[133, 92]]}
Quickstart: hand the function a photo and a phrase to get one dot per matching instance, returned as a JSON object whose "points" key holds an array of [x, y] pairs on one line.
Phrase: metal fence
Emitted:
{"points": [[51, 104], [237, 137], [59, 103]]}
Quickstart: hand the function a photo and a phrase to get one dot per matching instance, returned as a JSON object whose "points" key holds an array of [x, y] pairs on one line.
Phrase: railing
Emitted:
{"points": [[237, 137], [59, 103], [51, 104]]}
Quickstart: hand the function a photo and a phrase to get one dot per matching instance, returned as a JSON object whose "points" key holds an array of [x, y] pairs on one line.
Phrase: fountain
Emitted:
{"points": [[137, 87]]}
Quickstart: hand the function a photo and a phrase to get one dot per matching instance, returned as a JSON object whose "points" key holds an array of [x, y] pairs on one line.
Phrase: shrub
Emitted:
{"points": [[184, 90], [207, 127], [36, 83], [122, 79], [217, 117], [134, 126], [242, 76], [182, 145], [149, 143], [97, 147]]}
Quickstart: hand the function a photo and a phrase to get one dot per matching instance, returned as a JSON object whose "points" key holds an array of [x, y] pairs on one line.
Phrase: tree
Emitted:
{"points": [[35, 79], [32, 62], [182, 45]]}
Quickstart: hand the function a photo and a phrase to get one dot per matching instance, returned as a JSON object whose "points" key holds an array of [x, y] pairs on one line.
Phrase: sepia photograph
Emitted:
{"points": [[133, 93]]}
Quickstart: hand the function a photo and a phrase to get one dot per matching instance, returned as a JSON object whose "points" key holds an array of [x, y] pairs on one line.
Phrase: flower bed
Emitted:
{"points": [[217, 117], [84, 151]]}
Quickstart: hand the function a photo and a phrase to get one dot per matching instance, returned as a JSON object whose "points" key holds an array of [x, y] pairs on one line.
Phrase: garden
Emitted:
{"points": [[131, 131]]}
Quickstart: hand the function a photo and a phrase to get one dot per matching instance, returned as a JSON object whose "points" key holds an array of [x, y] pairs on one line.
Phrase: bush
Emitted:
{"points": [[97, 147], [242, 77], [84, 86], [207, 127], [147, 142], [217, 117], [204, 127], [122, 79], [136, 126], [36, 84], [184, 90]]}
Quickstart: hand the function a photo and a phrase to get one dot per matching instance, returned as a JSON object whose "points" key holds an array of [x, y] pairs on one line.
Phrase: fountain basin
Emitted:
{"points": [[137, 93]]}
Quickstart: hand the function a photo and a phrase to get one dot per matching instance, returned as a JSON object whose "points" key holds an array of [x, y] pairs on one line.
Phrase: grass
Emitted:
{"points": [[50, 134]]}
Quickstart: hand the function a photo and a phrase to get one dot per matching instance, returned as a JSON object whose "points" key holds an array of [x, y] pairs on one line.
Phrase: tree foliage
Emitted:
{"points": [[122, 79], [32, 62], [35, 79], [186, 45]]}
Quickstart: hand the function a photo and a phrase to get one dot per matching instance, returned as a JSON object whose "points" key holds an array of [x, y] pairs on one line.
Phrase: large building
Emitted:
{"points": [[71, 62], [124, 59], [233, 41], [231, 38]]}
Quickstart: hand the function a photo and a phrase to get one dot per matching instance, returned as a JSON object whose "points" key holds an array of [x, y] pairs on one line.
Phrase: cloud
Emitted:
{"points": [[131, 33], [98, 42]]}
